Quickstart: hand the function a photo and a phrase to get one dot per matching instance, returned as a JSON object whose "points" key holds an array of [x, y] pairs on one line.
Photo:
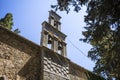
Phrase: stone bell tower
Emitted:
{"points": [[51, 35]]}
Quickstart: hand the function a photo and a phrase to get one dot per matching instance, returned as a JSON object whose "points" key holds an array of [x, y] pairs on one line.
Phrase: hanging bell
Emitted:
{"points": [[49, 40], [59, 46]]}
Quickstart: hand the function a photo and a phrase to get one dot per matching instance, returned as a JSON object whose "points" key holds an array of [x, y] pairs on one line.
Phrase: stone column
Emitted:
{"points": [[64, 52], [44, 39], [51, 21], [55, 45], [59, 26]]}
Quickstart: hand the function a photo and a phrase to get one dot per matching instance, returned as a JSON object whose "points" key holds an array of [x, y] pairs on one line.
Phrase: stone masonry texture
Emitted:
{"points": [[21, 59]]}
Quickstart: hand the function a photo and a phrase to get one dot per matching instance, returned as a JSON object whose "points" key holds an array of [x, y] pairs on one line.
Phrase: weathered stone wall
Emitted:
{"points": [[76, 72], [19, 58], [11, 61], [55, 66]]}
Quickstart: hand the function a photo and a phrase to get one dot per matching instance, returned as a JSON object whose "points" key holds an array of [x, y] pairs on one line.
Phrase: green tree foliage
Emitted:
{"points": [[65, 4], [102, 32], [16, 30], [92, 76], [7, 22]]}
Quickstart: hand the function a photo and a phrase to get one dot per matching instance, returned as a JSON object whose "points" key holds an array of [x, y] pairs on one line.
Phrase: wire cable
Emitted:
{"points": [[77, 48]]}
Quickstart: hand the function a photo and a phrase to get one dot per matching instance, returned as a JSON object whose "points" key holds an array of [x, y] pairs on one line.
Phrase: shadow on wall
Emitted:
{"points": [[31, 70]]}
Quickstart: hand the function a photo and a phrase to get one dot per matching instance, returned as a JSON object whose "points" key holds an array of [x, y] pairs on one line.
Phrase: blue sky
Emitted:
{"points": [[28, 16]]}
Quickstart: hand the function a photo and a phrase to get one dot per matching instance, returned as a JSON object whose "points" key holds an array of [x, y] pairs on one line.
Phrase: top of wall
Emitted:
{"points": [[17, 41]]}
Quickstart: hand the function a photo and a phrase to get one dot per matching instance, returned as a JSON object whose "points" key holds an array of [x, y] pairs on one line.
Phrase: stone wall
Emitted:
{"points": [[77, 72], [55, 66], [19, 57], [11, 61]]}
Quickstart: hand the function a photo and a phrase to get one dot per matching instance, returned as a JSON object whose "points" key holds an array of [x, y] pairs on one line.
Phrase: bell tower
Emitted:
{"points": [[51, 35]]}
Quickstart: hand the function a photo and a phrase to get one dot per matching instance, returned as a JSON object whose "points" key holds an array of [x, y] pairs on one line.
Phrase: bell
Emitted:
{"points": [[59, 46], [49, 40]]}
